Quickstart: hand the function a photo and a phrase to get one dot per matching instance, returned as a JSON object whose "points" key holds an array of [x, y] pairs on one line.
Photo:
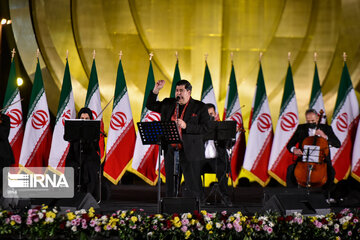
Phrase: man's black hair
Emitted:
{"points": [[210, 105], [85, 110], [185, 83], [311, 110]]}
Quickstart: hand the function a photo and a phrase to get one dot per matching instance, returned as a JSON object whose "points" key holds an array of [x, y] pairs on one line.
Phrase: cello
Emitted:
{"points": [[313, 173]]}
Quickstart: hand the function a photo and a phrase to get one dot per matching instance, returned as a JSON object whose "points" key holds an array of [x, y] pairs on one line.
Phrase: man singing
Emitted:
{"points": [[192, 119], [306, 130]]}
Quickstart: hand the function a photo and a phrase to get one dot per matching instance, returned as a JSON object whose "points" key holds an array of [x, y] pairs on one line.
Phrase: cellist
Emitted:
{"points": [[311, 128]]}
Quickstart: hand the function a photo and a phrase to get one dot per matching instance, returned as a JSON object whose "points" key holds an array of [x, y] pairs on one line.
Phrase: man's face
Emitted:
{"points": [[212, 112], [85, 116], [312, 118], [183, 94]]}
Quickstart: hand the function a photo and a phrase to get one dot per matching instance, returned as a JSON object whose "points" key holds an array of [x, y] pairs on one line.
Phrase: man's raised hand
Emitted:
{"points": [[158, 85]]}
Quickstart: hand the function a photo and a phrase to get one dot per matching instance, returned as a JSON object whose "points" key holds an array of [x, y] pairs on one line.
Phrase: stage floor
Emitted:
{"points": [[248, 200]]}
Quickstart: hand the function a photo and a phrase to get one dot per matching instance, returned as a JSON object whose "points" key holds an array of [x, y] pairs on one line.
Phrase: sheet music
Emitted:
{"points": [[312, 152]]}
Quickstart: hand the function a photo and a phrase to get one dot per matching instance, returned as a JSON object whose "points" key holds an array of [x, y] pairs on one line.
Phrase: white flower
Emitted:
{"points": [[41, 215], [49, 220], [218, 225], [73, 228], [68, 223]]}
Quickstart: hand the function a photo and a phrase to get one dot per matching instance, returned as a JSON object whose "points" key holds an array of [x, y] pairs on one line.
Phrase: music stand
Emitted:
{"points": [[224, 132], [82, 130], [160, 133]]}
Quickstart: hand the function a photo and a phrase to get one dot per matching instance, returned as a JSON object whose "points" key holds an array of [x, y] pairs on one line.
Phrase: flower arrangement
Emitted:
{"points": [[45, 223]]}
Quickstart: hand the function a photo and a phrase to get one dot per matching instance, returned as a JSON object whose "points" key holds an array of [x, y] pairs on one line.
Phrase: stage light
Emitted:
{"points": [[19, 81], [5, 21]]}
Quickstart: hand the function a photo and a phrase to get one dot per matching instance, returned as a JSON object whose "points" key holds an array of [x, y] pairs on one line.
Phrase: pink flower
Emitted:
{"points": [[224, 212], [336, 230], [237, 227], [184, 228], [349, 233], [229, 226], [97, 229], [16, 218], [319, 224], [7, 220], [28, 221], [108, 227], [269, 230], [83, 221], [185, 221], [122, 222], [92, 223], [223, 227], [257, 228], [73, 222], [84, 226], [133, 227], [355, 220], [36, 219], [154, 227]]}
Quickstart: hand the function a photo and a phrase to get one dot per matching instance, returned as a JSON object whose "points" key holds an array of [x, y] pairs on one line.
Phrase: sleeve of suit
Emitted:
{"points": [[4, 127], [152, 104], [332, 138], [201, 125], [293, 140]]}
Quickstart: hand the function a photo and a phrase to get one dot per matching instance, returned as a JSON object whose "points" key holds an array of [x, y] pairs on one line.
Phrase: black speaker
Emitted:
{"points": [[79, 201], [288, 203], [14, 203], [172, 205]]}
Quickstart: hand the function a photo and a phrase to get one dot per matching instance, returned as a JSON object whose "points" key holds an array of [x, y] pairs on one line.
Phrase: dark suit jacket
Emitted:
{"points": [[196, 118], [6, 154], [302, 132]]}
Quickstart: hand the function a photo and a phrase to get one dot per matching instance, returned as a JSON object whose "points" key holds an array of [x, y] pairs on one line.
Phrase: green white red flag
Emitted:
{"points": [[145, 157], [66, 110], [232, 111], [280, 157], [93, 101], [207, 93], [37, 137], [260, 135], [13, 109], [121, 138], [316, 99], [344, 123]]}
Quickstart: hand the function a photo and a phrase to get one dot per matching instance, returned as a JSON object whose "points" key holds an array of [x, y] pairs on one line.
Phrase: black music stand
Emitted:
{"points": [[160, 133], [223, 132], [82, 130]]}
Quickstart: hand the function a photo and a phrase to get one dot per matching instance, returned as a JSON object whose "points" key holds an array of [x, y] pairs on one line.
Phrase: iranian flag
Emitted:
{"points": [[121, 138], [207, 93], [37, 137], [260, 135], [66, 110], [146, 156], [93, 101], [232, 111], [344, 122], [280, 157], [13, 109], [316, 99], [176, 78]]}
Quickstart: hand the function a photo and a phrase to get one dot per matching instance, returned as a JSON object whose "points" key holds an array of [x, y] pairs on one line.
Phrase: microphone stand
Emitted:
{"points": [[176, 154]]}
